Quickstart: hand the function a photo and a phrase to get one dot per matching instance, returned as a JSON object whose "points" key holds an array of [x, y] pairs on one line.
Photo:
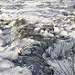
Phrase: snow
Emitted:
{"points": [[60, 13], [46, 34], [56, 30], [17, 71], [0, 31], [63, 33]]}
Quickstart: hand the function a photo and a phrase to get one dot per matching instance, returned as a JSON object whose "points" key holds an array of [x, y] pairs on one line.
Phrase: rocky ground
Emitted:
{"points": [[37, 37]]}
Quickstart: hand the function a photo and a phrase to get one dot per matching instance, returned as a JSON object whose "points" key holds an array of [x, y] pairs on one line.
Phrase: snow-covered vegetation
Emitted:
{"points": [[37, 37]]}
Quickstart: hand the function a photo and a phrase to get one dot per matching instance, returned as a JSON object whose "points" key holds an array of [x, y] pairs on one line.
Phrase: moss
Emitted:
{"points": [[23, 21], [48, 27], [72, 14], [0, 11], [73, 29], [17, 23], [20, 22], [73, 19], [27, 31]]}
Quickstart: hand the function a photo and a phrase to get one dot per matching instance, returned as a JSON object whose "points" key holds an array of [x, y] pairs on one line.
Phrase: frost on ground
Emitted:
{"points": [[37, 37]]}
